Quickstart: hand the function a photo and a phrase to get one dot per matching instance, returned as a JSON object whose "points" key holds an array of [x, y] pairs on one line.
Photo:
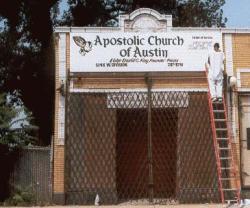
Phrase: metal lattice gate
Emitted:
{"points": [[136, 147]]}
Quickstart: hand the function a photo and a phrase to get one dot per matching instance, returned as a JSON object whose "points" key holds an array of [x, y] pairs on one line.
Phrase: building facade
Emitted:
{"points": [[133, 118]]}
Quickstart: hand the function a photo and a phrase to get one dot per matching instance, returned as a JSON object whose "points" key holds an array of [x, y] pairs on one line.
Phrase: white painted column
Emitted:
{"points": [[230, 93], [229, 54], [62, 79]]}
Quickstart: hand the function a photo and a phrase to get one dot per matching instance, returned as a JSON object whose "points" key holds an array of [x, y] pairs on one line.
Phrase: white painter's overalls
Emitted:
{"points": [[215, 73]]}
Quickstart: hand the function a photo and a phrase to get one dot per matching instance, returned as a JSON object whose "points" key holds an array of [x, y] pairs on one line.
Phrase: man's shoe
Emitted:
{"points": [[220, 100], [214, 99]]}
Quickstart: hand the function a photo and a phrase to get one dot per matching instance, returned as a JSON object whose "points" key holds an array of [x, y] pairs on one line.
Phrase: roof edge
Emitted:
{"points": [[114, 29]]}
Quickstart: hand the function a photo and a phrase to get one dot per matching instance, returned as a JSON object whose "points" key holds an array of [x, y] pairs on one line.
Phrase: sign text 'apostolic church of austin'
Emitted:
{"points": [[127, 52]]}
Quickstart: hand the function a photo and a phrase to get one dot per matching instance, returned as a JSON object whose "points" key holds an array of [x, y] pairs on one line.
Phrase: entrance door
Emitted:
{"points": [[164, 139], [245, 139], [132, 153]]}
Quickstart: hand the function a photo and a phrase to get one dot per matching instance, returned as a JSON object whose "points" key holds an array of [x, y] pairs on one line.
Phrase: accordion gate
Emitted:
{"points": [[140, 147]]}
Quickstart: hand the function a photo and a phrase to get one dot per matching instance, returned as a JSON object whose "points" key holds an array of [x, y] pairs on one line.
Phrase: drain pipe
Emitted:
{"points": [[150, 156]]}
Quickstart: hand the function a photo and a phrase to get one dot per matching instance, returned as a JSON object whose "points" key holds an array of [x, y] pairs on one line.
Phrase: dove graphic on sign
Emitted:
{"points": [[85, 46]]}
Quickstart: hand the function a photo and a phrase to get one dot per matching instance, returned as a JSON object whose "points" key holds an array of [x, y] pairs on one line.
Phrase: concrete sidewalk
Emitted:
{"points": [[155, 206], [152, 206]]}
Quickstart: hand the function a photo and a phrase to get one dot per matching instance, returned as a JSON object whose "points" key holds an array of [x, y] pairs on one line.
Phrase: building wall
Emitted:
{"points": [[61, 52], [241, 55], [137, 80], [241, 67], [241, 60], [236, 47]]}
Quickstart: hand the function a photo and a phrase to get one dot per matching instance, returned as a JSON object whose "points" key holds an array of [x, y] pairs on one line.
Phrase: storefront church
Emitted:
{"points": [[134, 121]]}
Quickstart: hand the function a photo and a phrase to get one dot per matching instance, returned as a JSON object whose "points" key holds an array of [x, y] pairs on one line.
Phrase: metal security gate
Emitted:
{"points": [[139, 147]]}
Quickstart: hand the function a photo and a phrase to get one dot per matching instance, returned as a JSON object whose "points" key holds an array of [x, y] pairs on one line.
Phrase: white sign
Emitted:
{"points": [[141, 52]]}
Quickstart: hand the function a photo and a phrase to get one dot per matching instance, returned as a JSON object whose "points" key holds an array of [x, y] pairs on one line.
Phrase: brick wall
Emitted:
{"points": [[58, 150], [241, 65], [241, 55]]}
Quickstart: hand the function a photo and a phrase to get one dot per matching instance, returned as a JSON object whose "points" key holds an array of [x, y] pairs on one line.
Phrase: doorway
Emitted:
{"points": [[132, 150]]}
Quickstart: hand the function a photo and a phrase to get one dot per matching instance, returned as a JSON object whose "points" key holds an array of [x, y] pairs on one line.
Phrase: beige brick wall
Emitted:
{"points": [[58, 166], [58, 175], [57, 85], [241, 60], [59, 158], [245, 78], [241, 55], [67, 51]]}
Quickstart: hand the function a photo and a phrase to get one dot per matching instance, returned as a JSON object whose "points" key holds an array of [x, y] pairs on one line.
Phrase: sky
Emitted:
{"points": [[237, 12]]}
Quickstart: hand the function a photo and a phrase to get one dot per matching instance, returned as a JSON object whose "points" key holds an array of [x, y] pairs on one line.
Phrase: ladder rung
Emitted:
{"points": [[226, 168], [224, 148], [227, 179], [219, 111], [229, 189], [225, 158], [221, 129], [219, 120], [222, 138]]}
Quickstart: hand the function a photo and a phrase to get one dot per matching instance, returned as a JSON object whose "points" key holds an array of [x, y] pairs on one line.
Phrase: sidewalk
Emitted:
{"points": [[151, 206], [156, 206]]}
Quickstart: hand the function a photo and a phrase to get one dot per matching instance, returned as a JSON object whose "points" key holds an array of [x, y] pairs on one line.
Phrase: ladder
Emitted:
{"points": [[228, 183]]}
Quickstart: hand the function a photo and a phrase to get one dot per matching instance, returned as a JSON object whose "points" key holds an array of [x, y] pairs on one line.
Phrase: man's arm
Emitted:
{"points": [[207, 64], [223, 64]]}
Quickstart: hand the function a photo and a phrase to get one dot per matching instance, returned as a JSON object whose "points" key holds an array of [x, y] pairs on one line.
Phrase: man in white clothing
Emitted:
{"points": [[215, 67]]}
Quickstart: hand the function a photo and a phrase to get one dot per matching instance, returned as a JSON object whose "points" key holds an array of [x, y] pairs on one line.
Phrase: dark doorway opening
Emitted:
{"points": [[132, 170]]}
